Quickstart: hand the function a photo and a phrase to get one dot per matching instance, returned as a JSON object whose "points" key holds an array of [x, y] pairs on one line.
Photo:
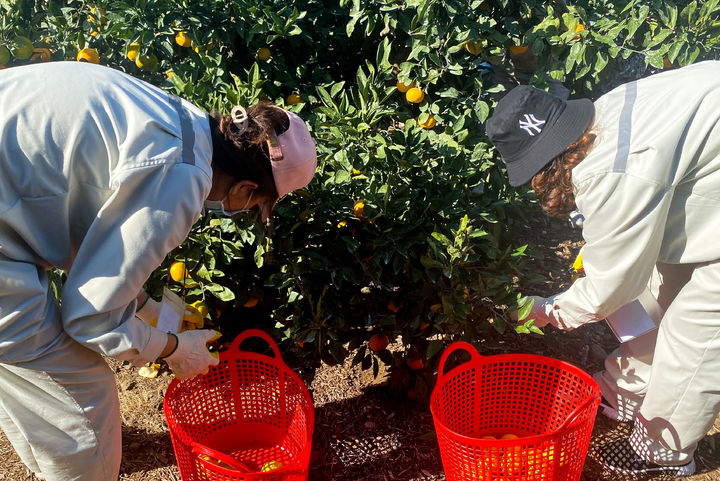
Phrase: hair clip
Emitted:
{"points": [[240, 118]]}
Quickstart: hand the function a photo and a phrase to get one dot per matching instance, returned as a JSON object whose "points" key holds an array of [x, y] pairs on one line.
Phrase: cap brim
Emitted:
{"points": [[568, 128]]}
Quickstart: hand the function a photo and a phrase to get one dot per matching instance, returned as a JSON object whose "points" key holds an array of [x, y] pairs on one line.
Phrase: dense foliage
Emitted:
{"points": [[401, 231]]}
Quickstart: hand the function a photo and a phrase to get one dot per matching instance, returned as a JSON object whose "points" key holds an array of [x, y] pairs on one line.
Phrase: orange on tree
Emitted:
{"points": [[403, 87], [252, 301], [359, 208], [392, 307], [147, 62], [263, 54], [429, 122], [579, 28], [518, 49], [293, 99], [182, 39], [4, 55], [414, 95], [414, 361], [179, 273], [88, 55], [473, 47], [21, 48], [378, 342], [341, 224], [133, 50]]}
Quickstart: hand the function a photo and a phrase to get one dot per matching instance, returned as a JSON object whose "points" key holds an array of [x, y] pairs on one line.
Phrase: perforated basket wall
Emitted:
{"points": [[248, 413], [549, 404]]}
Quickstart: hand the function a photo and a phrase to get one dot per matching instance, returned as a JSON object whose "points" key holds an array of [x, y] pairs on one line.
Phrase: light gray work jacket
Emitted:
{"points": [[649, 189], [101, 175]]}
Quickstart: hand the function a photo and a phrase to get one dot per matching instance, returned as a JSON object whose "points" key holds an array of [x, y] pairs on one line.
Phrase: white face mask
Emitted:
{"points": [[218, 206]]}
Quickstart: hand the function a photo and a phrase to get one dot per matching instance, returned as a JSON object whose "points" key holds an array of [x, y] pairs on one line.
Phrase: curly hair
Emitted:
{"points": [[553, 184], [251, 160]]}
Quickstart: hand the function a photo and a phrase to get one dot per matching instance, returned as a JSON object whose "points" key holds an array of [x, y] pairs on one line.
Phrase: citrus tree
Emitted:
{"points": [[402, 231]]}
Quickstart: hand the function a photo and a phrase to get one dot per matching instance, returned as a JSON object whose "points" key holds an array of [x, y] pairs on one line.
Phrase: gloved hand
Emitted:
{"points": [[191, 357], [149, 310], [542, 311]]}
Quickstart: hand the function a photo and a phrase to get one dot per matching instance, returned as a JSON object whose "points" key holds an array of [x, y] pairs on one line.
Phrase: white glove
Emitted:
{"points": [[542, 311], [150, 311], [191, 357]]}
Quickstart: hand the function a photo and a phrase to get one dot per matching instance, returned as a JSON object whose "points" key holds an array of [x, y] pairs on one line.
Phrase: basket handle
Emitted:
{"points": [[455, 346], [576, 412], [216, 457], [243, 336]]}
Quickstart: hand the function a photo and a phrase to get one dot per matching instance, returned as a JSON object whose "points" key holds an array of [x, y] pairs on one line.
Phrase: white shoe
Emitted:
{"points": [[619, 456]]}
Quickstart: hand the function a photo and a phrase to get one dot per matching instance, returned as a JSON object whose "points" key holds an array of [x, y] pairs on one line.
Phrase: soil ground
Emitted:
{"points": [[365, 432]]}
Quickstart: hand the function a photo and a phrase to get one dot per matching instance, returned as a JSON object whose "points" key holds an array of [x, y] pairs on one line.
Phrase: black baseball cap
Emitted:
{"points": [[530, 127]]}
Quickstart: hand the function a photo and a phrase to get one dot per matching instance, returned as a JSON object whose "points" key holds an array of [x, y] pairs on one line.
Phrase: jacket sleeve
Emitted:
{"points": [[625, 217], [150, 212]]}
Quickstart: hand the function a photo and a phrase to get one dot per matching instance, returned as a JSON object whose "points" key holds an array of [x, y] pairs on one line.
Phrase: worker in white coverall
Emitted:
{"points": [[102, 175], [642, 164]]}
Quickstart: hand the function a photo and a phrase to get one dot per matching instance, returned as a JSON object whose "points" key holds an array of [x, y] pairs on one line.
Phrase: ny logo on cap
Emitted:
{"points": [[531, 123]]}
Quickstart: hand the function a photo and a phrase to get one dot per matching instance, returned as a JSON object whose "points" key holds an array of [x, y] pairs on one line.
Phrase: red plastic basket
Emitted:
{"points": [[250, 418], [548, 404]]}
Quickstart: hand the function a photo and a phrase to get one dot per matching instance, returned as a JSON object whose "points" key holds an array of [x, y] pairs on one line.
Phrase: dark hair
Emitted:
{"points": [[553, 184], [245, 156]]}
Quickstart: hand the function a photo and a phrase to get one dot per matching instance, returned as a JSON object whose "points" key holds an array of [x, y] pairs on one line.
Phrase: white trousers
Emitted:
{"points": [[59, 409], [668, 380]]}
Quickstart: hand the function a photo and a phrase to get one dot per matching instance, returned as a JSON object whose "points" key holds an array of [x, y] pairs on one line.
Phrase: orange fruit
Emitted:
{"points": [[403, 87], [293, 99], [378, 342], [182, 39], [341, 224], [473, 47], [359, 208], [150, 371], [263, 53], [4, 55], [509, 436], [88, 55], [518, 49], [252, 301], [436, 308], [21, 47], [201, 307], [414, 361], [392, 307], [271, 466], [414, 95], [579, 28], [429, 123], [179, 273], [147, 62], [132, 51]]}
